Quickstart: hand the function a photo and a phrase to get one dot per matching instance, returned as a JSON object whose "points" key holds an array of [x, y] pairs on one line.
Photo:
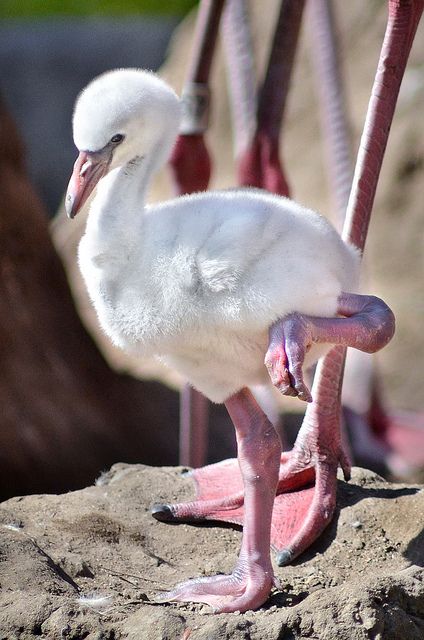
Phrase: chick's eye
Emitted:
{"points": [[117, 138]]}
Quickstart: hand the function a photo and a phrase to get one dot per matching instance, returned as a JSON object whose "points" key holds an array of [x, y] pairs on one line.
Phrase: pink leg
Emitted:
{"points": [[258, 455], [368, 325]]}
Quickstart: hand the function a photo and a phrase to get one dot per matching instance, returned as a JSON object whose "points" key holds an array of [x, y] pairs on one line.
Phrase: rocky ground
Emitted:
{"points": [[89, 564]]}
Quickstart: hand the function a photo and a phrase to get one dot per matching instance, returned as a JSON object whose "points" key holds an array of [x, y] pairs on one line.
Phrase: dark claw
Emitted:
{"points": [[162, 512], [284, 557]]}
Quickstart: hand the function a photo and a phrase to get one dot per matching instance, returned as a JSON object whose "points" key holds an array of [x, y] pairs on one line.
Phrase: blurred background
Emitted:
{"points": [[72, 405], [50, 50]]}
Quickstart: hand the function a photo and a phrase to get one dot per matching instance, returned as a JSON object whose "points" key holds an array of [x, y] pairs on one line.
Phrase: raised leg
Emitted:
{"points": [[368, 325], [259, 451]]}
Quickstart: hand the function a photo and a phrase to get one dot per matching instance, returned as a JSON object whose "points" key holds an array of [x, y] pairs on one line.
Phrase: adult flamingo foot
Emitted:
{"points": [[303, 506], [307, 487]]}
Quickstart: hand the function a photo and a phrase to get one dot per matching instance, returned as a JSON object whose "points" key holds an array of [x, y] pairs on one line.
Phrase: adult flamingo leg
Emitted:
{"points": [[377, 435], [248, 586], [307, 476], [259, 164], [191, 166]]}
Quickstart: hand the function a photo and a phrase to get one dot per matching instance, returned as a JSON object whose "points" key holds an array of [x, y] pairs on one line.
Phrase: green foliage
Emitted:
{"points": [[44, 8]]}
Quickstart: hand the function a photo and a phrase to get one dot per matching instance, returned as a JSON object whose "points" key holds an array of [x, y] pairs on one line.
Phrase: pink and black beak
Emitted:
{"points": [[89, 168]]}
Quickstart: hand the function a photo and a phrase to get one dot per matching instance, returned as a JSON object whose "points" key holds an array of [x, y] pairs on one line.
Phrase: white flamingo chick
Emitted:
{"points": [[197, 280], [214, 284]]}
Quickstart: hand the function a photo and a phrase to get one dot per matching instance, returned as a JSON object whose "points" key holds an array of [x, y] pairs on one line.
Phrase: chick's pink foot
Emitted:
{"points": [[259, 450], [247, 587], [290, 340]]}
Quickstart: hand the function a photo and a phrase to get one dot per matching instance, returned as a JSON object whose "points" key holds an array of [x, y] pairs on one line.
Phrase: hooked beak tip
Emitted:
{"points": [[88, 169]]}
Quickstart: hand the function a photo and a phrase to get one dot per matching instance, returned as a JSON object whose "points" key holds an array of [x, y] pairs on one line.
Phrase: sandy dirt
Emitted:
{"points": [[362, 579]]}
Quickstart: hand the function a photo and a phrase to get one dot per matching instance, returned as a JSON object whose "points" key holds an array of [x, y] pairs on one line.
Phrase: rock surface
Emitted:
{"points": [[89, 564]]}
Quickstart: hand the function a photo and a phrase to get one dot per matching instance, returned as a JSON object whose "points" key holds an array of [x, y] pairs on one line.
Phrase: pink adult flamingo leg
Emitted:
{"points": [[400, 434], [377, 437], [402, 23], [356, 428], [260, 163], [310, 469], [191, 168], [329, 86]]}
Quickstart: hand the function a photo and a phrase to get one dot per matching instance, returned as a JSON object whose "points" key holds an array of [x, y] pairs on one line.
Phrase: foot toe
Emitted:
{"points": [[283, 557], [224, 593], [162, 512]]}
